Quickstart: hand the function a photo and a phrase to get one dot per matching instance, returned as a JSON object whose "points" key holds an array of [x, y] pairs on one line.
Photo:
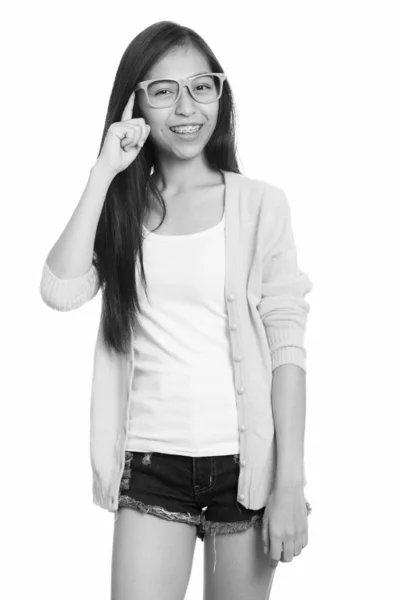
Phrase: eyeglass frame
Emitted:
{"points": [[143, 85]]}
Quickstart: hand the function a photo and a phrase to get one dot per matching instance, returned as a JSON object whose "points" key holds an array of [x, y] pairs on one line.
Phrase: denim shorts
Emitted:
{"points": [[200, 491]]}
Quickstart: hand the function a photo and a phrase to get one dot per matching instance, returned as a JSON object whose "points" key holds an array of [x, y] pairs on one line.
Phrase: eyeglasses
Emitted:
{"points": [[163, 93]]}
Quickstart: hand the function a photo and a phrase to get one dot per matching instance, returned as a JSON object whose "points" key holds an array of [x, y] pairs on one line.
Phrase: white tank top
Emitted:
{"points": [[183, 396]]}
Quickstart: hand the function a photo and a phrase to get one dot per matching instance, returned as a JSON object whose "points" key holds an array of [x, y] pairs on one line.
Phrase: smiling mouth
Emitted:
{"points": [[189, 130]]}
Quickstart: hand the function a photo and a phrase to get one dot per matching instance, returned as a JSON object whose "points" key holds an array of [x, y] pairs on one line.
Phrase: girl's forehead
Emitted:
{"points": [[179, 63]]}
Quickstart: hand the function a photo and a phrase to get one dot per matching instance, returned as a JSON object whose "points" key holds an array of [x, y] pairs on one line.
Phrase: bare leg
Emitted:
{"points": [[242, 570], [152, 557]]}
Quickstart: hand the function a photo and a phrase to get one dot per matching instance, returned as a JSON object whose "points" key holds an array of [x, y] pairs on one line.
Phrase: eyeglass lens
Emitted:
{"points": [[205, 89]]}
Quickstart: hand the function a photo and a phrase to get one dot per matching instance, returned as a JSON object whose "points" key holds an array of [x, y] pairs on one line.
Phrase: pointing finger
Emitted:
{"points": [[127, 114]]}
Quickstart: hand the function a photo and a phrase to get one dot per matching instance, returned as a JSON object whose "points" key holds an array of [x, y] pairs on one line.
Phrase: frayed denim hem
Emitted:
{"points": [[203, 526]]}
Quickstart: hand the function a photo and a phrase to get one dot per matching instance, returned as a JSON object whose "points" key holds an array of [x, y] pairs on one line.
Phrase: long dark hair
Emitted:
{"points": [[118, 239]]}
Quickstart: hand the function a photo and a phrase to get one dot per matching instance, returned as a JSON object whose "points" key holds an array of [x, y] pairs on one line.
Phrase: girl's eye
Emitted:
{"points": [[203, 85], [159, 92]]}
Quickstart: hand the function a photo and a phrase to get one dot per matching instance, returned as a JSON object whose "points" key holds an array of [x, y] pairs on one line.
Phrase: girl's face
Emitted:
{"points": [[177, 64]]}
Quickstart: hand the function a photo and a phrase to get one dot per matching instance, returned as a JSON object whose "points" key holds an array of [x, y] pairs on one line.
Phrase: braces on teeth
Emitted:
{"points": [[185, 129]]}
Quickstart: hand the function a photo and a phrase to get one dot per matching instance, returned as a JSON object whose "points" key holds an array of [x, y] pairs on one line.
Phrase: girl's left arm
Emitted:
{"points": [[289, 413], [284, 310]]}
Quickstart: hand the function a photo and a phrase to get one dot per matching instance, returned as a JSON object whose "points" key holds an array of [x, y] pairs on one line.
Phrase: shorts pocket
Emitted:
{"points": [[126, 475]]}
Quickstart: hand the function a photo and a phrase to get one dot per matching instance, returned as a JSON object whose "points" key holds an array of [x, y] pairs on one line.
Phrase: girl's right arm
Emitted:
{"points": [[69, 279]]}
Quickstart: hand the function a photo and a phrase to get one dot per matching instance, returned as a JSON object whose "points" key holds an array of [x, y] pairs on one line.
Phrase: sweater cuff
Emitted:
{"points": [[67, 294], [287, 346], [291, 355]]}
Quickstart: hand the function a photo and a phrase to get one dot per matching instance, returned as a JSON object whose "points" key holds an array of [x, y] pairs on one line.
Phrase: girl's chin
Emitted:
{"points": [[170, 144]]}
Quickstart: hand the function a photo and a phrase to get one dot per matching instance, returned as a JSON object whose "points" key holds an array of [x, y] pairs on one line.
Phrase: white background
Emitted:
{"points": [[316, 85]]}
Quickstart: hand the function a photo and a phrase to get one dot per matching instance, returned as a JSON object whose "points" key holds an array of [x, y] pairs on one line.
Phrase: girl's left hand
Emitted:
{"points": [[285, 524]]}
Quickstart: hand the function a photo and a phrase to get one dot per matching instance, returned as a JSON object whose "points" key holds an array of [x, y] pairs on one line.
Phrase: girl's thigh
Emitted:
{"points": [[242, 570], [151, 558]]}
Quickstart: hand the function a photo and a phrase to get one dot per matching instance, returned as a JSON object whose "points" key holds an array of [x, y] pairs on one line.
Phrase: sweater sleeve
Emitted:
{"points": [[283, 308], [68, 294]]}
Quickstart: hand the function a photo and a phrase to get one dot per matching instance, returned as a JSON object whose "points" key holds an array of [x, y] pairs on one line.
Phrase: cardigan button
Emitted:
{"points": [[241, 496], [233, 327], [240, 390], [231, 297], [237, 358], [243, 463], [243, 428]]}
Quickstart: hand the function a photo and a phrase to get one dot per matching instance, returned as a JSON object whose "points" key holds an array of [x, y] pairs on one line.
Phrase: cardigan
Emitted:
{"points": [[267, 312]]}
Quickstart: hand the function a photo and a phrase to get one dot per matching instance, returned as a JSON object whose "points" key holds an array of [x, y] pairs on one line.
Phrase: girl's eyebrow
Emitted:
{"points": [[202, 73]]}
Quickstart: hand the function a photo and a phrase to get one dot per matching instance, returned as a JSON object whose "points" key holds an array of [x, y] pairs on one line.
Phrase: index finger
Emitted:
{"points": [[127, 114]]}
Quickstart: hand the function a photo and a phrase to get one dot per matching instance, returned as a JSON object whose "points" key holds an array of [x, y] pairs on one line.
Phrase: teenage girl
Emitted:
{"points": [[168, 147]]}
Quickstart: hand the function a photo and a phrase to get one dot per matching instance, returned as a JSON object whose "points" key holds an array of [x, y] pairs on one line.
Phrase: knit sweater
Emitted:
{"points": [[267, 313]]}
